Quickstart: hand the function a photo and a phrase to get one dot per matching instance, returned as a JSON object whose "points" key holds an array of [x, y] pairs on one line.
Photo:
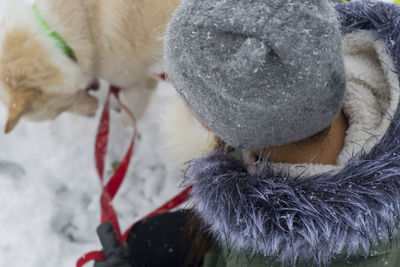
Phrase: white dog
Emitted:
{"points": [[50, 54]]}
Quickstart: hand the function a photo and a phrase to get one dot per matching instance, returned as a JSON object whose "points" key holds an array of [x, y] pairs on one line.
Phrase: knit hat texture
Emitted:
{"points": [[259, 73]]}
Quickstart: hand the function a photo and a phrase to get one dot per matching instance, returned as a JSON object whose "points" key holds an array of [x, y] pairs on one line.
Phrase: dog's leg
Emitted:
{"points": [[137, 98]]}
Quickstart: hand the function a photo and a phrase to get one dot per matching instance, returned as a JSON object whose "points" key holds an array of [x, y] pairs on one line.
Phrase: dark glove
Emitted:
{"points": [[116, 255]]}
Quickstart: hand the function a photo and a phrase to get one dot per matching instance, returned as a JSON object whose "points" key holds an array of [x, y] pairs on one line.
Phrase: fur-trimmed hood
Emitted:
{"points": [[348, 211]]}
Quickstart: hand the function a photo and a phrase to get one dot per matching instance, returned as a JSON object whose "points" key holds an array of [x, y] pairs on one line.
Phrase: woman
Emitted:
{"points": [[306, 171]]}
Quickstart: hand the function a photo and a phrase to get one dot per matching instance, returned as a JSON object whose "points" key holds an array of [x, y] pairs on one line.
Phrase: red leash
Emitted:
{"points": [[110, 189]]}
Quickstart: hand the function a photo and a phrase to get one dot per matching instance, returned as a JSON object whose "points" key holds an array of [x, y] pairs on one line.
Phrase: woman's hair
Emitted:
{"points": [[315, 138], [196, 240]]}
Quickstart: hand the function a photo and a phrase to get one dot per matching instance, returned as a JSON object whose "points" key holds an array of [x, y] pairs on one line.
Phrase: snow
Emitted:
{"points": [[49, 189]]}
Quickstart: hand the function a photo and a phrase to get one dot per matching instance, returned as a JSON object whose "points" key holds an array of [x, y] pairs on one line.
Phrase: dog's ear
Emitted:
{"points": [[20, 103]]}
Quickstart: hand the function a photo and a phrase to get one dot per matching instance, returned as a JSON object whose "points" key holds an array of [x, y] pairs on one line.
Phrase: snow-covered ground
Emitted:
{"points": [[49, 189]]}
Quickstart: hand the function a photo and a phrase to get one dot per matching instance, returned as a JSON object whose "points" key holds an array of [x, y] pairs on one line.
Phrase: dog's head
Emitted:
{"points": [[38, 81]]}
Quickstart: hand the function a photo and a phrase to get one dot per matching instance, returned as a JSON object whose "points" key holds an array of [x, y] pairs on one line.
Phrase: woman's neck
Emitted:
{"points": [[324, 151]]}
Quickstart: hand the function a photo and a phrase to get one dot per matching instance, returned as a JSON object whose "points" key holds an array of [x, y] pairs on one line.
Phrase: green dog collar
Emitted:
{"points": [[61, 43]]}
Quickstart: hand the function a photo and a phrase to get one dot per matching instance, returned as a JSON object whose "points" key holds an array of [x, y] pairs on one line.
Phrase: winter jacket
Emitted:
{"points": [[346, 214]]}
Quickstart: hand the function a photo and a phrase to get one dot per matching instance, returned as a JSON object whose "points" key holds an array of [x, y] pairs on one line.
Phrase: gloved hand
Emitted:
{"points": [[116, 255]]}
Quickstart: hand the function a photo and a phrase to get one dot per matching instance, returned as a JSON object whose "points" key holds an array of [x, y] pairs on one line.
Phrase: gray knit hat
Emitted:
{"points": [[259, 73]]}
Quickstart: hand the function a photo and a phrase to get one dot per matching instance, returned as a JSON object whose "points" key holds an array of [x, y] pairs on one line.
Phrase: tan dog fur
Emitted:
{"points": [[115, 40], [184, 137]]}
